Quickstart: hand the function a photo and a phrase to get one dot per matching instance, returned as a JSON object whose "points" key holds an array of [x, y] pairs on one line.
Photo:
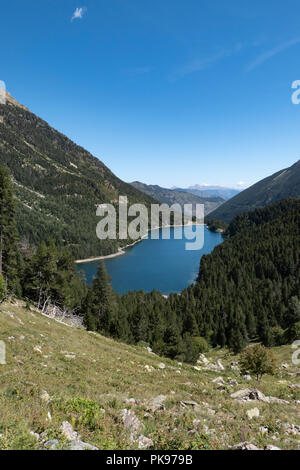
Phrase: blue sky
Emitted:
{"points": [[172, 92]]}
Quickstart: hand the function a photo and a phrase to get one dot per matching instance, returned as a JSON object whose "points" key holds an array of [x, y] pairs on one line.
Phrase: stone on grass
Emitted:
{"points": [[68, 431], [246, 446], [144, 442], [80, 445], [131, 422], [219, 381], [270, 447], [45, 396], [253, 413], [247, 377], [157, 403], [52, 445]]}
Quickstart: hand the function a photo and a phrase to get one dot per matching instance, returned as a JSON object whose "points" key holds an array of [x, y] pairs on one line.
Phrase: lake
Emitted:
{"points": [[164, 265]]}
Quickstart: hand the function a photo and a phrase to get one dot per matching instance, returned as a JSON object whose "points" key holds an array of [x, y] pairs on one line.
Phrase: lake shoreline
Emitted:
{"points": [[121, 251]]}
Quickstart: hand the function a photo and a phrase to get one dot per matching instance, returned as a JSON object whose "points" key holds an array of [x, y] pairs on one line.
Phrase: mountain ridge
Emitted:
{"points": [[58, 183], [170, 196], [282, 184]]}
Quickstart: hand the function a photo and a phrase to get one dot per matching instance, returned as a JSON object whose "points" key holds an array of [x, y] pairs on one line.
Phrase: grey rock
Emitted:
{"points": [[157, 403], [144, 443], [80, 445], [247, 377], [248, 395], [233, 383], [246, 446], [277, 400], [219, 381], [253, 413], [161, 366], [131, 422], [52, 445], [68, 432], [270, 447]]}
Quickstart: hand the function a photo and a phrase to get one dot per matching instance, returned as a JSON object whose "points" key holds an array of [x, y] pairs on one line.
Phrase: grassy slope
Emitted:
{"points": [[108, 373]]}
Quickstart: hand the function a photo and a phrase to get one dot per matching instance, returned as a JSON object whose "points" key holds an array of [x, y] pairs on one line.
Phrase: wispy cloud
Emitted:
{"points": [[271, 53], [78, 13], [197, 65]]}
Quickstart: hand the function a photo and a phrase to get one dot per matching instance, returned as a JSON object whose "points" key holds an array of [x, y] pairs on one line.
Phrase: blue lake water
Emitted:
{"points": [[164, 265]]}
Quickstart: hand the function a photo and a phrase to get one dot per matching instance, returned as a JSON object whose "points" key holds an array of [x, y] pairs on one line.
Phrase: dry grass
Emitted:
{"points": [[85, 374]]}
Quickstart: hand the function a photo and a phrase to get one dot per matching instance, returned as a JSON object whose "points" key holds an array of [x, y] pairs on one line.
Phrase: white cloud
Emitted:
{"points": [[271, 53], [78, 13]]}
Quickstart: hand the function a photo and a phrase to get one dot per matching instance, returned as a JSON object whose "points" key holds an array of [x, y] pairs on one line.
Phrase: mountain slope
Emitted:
{"points": [[58, 373], [281, 185], [58, 184], [170, 196]]}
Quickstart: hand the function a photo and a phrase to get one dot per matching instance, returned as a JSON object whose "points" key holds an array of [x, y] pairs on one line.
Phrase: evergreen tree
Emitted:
{"points": [[103, 302], [8, 232]]}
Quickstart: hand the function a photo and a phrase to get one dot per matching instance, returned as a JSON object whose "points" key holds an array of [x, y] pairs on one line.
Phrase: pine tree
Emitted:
{"points": [[8, 232], [103, 302]]}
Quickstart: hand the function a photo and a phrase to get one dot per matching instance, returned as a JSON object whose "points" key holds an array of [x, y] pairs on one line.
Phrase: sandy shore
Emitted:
{"points": [[121, 251]]}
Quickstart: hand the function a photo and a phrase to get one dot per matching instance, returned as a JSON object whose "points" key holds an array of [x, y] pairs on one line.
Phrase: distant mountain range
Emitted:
{"points": [[283, 184], [207, 191], [171, 196], [57, 183]]}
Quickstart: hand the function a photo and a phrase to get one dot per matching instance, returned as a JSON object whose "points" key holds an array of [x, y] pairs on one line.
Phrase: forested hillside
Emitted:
{"points": [[283, 184], [57, 183], [248, 289]]}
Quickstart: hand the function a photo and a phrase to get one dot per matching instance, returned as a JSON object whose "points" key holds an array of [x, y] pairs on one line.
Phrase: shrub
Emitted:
{"points": [[192, 347], [276, 336], [257, 360], [293, 333], [202, 344]]}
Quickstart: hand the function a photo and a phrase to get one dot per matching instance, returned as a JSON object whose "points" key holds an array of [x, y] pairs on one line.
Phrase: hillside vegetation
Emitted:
{"points": [[56, 374], [281, 185], [58, 184]]}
